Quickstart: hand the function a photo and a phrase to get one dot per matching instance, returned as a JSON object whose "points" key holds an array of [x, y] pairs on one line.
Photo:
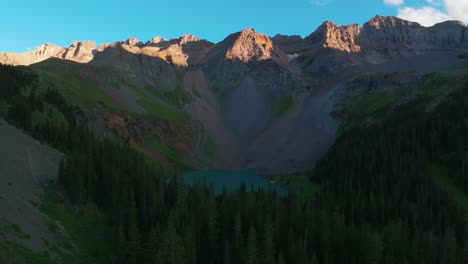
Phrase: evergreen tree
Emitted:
{"points": [[252, 250]]}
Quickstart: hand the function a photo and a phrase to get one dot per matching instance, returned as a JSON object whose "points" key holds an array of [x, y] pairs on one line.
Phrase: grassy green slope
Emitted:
{"points": [[66, 76], [372, 106], [78, 83]]}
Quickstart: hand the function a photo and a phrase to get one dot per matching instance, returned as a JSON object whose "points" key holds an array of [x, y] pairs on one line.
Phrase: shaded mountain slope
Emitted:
{"points": [[25, 168]]}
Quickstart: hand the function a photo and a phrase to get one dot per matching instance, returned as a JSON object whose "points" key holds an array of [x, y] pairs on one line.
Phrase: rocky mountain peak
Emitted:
{"points": [[187, 38], [156, 40], [47, 49], [332, 36], [133, 42], [248, 45], [380, 22], [79, 51], [88, 44]]}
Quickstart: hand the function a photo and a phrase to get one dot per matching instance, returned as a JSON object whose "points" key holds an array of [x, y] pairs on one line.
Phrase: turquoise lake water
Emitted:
{"points": [[232, 180]]}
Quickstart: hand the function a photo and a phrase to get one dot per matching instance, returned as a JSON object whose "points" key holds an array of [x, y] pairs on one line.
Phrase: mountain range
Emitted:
{"points": [[347, 146], [387, 36], [272, 104]]}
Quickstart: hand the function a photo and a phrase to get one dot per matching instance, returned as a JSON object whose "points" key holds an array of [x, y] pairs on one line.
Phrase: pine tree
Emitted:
{"points": [[172, 248], [268, 243], [252, 250], [281, 259], [190, 246]]}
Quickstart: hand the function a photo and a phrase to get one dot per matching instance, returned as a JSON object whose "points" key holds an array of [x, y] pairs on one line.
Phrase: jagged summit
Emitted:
{"points": [[46, 47], [250, 46], [389, 22], [332, 36], [187, 38], [156, 40], [245, 46], [79, 51], [133, 42]]}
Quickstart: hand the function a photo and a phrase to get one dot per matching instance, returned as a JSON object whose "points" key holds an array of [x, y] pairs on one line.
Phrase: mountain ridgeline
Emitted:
{"points": [[383, 34]]}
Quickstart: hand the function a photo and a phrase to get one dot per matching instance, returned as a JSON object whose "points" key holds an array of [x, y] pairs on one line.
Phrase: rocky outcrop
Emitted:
{"points": [[43, 52], [82, 52], [250, 46], [156, 40], [331, 36], [133, 42], [183, 51], [188, 38]]}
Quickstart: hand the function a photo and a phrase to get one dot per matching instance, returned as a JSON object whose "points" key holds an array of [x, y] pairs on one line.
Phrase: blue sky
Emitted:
{"points": [[25, 24]]}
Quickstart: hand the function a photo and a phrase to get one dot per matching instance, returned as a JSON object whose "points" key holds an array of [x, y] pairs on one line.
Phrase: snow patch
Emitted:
{"points": [[292, 56]]}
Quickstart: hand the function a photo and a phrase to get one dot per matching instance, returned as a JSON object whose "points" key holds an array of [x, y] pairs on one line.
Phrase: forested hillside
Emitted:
{"points": [[379, 201]]}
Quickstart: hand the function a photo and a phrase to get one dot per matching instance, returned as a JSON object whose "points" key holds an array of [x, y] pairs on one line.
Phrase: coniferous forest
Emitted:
{"points": [[379, 201]]}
